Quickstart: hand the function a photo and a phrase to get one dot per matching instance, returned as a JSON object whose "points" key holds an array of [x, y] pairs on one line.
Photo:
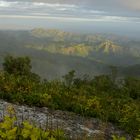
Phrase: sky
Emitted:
{"points": [[107, 16]]}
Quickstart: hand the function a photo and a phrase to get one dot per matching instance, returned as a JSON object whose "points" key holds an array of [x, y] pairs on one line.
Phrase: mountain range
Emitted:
{"points": [[55, 52]]}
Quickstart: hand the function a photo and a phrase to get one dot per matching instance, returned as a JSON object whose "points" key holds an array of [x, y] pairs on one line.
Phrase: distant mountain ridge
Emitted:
{"points": [[109, 47], [97, 47], [55, 52], [100, 42]]}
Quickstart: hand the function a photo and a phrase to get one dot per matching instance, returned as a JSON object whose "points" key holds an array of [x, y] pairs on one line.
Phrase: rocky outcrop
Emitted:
{"points": [[74, 126]]}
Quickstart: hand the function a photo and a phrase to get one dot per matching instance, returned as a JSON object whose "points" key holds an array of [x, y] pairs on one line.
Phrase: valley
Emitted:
{"points": [[54, 49]]}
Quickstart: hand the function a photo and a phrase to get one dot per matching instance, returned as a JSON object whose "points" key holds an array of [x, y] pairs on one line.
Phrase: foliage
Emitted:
{"points": [[9, 130], [118, 138], [69, 78], [133, 86], [18, 66], [96, 97]]}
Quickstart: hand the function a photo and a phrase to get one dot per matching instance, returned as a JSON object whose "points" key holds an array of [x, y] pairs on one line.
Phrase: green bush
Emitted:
{"points": [[97, 97]]}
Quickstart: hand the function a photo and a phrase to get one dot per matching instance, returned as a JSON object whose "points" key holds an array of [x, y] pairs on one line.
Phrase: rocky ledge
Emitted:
{"points": [[74, 126]]}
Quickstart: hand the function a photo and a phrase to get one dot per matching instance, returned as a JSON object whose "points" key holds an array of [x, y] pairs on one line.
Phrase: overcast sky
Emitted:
{"points": [[107, 14]]}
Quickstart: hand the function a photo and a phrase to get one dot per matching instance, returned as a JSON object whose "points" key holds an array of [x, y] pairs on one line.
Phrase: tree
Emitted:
{"points": [[103, 83], [17, 65], [113, 74], [133, 86], [69, 78]]}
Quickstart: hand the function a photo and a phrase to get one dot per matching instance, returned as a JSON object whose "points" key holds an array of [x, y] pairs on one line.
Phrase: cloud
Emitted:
{"points": [[79, 19], [131, 4], [46, 8], [5, 4], [109, 9], [30, 7], [22, 4]]}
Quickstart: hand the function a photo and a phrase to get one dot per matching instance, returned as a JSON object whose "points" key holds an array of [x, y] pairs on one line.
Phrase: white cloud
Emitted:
{"points": [[92, 11], [17, 7], [22, 4], [95, 19], [5, 4], [131, 4], [43, 10], [50, 7], [53, 5]]}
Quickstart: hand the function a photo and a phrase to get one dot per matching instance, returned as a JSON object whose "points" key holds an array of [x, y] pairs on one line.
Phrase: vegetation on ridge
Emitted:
{"points": [[105, 96]]}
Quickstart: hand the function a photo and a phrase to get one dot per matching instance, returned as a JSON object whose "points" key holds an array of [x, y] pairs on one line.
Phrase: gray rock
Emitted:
{"points": [[74, 126]]}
